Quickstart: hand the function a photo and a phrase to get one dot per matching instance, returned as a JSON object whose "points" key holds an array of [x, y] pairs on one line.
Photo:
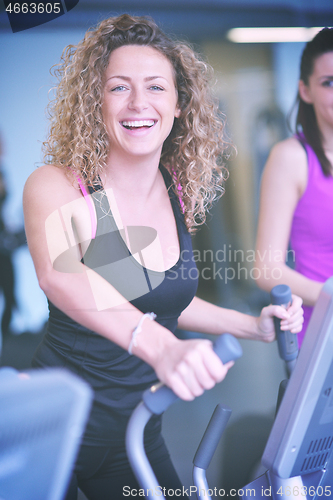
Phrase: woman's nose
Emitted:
{"points": [[138, 100]]}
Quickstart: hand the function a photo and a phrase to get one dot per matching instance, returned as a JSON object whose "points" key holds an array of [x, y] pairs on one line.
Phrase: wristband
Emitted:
{"points": [[138, 329]]}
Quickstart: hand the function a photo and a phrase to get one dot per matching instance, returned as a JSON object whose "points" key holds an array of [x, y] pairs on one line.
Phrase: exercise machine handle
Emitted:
{"points": [[287, 341], [212, 436], [159, 397]]}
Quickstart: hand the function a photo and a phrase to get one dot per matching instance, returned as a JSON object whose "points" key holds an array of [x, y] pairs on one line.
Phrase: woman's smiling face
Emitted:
{"points": [[139, 101]]}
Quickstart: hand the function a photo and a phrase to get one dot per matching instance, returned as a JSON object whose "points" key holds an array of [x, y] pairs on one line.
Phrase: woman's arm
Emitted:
{"points": [[283, 183], [201, 316], [50, 204]]}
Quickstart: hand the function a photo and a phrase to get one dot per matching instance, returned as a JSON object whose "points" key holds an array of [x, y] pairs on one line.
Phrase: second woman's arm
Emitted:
{"points": [[283, 183]]}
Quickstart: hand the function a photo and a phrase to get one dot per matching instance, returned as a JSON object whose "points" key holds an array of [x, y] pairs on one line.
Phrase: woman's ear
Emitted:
{"points": [[177, 111], [304, 92]]}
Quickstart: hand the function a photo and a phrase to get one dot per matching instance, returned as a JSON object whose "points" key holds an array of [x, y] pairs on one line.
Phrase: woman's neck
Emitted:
{"points": [[132, 175]]}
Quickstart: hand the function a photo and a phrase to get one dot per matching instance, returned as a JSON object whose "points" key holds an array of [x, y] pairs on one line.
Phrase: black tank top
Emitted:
{"points": [[117, 378]]}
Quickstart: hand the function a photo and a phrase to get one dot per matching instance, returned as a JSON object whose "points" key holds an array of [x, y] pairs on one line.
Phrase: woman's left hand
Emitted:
{"points": [[291, 319]]}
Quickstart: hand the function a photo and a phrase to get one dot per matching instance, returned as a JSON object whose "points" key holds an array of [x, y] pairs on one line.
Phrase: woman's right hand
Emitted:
{"points": [[189, 367]]}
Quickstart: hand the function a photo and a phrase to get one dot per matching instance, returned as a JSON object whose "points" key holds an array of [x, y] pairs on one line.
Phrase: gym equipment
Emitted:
{"points": [[299, 448], [42, 418], [287, 341], [155, 401]]}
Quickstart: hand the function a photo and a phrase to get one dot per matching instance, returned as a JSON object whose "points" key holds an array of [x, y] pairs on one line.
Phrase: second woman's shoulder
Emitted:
{"points": [[287, 165], [289, 151]]}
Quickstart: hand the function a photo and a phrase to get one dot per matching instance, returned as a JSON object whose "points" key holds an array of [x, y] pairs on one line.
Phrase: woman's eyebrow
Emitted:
{"points": [[128, 78], [154, 78]]}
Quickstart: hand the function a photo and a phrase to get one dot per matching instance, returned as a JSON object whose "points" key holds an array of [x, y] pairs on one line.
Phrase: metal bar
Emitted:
{"points": [[137, 455]]}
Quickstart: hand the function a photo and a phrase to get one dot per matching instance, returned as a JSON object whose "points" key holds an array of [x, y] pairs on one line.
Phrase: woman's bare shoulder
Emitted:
{"points": [[51, 179], [287, 162], [47, 189], [289, 150], [47, 174]]}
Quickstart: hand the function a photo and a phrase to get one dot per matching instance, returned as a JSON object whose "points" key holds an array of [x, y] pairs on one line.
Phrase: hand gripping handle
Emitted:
{"points": [[159, 397], [287, 341]]}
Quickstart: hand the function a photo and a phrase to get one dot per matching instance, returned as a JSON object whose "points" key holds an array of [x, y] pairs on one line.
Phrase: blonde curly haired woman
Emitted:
{"points": [[132, 163]]}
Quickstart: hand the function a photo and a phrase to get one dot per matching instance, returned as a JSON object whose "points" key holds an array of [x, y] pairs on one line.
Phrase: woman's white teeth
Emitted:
{"points": [[139, 123]]}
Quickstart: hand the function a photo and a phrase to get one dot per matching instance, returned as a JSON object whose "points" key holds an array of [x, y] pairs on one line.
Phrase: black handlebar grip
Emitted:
{"points": [[227, 348], [159, 397], [212, 436], [287, 341]]}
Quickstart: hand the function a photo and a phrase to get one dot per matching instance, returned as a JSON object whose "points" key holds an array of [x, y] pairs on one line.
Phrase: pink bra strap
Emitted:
{"points": [[180, 189], [89, 203]]}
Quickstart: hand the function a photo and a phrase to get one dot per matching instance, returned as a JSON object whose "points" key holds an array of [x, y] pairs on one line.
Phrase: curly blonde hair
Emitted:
{"points": [[195, 148]]}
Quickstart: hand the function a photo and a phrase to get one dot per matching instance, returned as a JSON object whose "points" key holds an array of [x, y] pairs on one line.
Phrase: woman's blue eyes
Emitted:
{"points": [[156, 87], [120, 88]]}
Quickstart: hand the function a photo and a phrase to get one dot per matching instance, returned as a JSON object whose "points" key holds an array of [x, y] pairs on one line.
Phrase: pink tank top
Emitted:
{"points": [[312, 229]]}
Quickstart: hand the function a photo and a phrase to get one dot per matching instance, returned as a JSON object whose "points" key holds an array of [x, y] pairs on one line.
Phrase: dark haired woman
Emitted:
{"points": [[133, 162], [297, 187]]}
